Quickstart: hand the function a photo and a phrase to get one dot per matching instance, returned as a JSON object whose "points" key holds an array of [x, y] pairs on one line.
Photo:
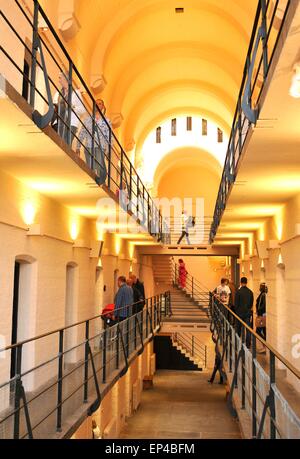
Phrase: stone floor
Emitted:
{"points": [[182, 405]]}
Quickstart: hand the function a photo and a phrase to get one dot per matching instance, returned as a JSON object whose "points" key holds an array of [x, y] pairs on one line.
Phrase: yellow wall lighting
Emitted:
{"points": [[117, 244], [279, 224], [74, 227], [29, 212]]}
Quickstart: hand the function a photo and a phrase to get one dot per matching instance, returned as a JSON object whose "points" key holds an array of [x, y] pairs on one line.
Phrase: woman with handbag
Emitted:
{"points": [[261, 313]]}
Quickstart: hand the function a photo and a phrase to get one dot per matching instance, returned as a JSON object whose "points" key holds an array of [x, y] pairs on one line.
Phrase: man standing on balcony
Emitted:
{"points": [[140, 287], [123, 300], [243, 307], [101, 142], [60, 100]]}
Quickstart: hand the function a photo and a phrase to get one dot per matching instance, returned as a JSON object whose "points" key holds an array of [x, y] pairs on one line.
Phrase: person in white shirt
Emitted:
{"points": [[223, 291], [185, 228], [60, 100]]}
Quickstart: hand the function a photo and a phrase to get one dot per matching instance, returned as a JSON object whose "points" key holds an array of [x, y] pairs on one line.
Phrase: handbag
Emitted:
{"points": [[261, 322]]}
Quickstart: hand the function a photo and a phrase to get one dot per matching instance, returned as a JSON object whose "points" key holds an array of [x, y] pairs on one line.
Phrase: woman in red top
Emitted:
{"points": [[182, 274]]}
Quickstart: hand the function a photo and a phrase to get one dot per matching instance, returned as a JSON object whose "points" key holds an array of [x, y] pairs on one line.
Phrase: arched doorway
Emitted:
{"points": [[23, 309]]}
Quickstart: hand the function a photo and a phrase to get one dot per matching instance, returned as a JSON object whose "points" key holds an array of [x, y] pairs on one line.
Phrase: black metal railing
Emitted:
{"points": [[60, 375], [60, 98], [193, 345], [269, 20], [193, 288], [257, 386]]}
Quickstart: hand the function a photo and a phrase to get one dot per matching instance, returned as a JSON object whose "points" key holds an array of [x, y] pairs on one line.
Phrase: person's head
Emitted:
{"points": [[263, 288], [63, 80], [129, 282], [244, 281], [133, 278], [121, 280], [223, 281], [101, 106], [180, 261]]}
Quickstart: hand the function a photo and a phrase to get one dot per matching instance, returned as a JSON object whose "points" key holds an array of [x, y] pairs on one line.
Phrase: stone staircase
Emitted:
{"points": [[185, 309], [162, 269], [197, 360]]}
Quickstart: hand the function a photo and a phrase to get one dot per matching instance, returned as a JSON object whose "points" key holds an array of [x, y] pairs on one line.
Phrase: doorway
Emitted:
{"points": [[15, 316]]}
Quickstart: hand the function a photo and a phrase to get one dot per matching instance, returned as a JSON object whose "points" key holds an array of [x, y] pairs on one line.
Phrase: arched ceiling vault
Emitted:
{"points": [[155, 61]]}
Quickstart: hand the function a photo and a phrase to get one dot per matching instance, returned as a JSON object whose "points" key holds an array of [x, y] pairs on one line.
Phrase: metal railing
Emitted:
{"points": [[191, 344], [269, 20], [75, 115], [59, 372], [198, 234], [193, 288], [257, 385]]}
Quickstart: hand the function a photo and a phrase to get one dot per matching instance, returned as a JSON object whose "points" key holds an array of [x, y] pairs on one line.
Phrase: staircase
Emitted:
{"points": [[190, 346], [162, 269], [187, 309]]}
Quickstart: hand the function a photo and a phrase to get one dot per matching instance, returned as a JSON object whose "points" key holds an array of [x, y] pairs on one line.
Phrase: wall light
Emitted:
{"points": [[280, 263], [262, 266], [295, 86], [29, 212]]}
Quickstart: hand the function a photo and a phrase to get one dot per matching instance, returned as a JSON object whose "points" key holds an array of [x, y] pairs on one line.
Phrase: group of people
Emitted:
{"points": [[129, 300], [84, 136], [241, 303]]}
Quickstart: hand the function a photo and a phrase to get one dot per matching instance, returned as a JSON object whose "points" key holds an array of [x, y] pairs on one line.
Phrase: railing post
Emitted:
{"points": [[147, 318], [230, 349], [192, 287], [264, 37], [243, 368], [254, 405], [272, 397], [193, 344], [127, 336], [104, 355], [130, 188], [92, 153], [118, 348], [109, 159], [60, 381], [34, 52], [70, 91], [17, 393], [86, 362]]}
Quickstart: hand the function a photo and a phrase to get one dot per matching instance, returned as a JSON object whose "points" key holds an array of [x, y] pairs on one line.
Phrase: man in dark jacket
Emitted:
{"points": [[243, 305], [137, 297], [140, 286]]}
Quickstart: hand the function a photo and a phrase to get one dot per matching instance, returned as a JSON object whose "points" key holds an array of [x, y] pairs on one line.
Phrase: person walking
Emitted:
{"points": [[185, 228], [243, 307], [123, 300], [261, 314], [182, 273]]}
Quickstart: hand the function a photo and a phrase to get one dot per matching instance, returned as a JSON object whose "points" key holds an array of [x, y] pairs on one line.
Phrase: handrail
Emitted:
{"points": [[106, 357], [245, 116], [192, 346], [156, 224], [256, 386], [282, 359]]}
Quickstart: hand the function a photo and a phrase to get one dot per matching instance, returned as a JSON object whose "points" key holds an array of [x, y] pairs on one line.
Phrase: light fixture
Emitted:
{"points": [[280, 263], [262, 266], [295, 86]]}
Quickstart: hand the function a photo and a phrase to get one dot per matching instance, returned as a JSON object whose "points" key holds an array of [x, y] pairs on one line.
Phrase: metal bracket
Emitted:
{"points": [[141, 336], [124, 371], [252, 113], [95, 405], [43, 120], [20, 394], [233, 384]]}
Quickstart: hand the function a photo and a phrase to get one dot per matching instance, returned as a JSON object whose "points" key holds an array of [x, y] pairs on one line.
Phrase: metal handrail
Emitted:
{"points": [[282, 359], [192, 346], [245, 115], [112, 357], [152, 218], [222, 327]]}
